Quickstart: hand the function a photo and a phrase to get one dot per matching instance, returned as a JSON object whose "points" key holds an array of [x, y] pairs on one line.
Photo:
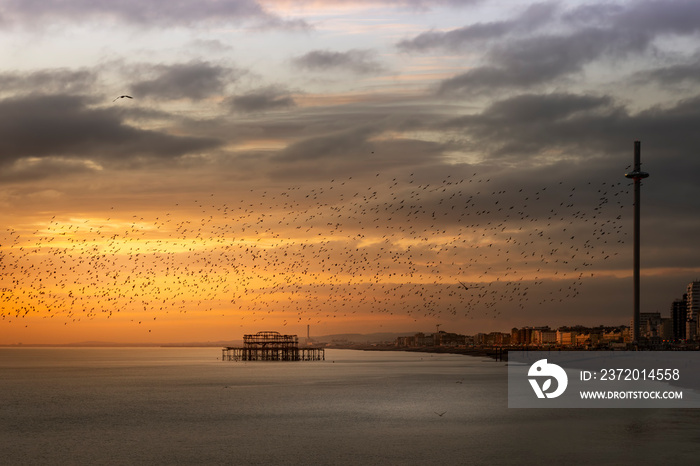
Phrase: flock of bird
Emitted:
{"points": [[391, 245]]}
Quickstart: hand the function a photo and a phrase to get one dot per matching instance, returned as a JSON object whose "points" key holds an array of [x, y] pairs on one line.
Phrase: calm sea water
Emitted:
{"points": [[173, 406]]}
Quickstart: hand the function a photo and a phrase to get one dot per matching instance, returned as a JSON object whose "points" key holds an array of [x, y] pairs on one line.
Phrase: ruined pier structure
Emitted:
{"points": [[271, 346]]}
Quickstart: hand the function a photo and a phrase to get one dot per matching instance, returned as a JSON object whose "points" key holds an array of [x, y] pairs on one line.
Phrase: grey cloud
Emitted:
{"points": [[413, 4], [44, 126], [357, 61], [535, 61], [555, 55], [600, 31], [344, 142], [45, 81], [211, 45], [534, 17], [353, 152], [673, 74], [549, 107], [455, 38], [23, 170], [194, 80], [580, 127], [260, 100], [348, 143], [144, 12], [646, 17]]}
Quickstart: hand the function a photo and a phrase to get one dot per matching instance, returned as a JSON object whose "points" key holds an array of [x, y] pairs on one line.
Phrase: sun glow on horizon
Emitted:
{"points": [[300, 256]]}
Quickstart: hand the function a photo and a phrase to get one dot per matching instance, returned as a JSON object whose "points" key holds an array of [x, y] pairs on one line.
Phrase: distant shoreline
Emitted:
{"points": [[498, 354]]}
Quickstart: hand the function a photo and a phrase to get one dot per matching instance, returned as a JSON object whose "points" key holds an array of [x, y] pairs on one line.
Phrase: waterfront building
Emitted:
{"points": [[544, 336], [443, 338], [405, 341], [691, 329], [679, 316], [514, 336], [424, 340], [566, 338], [522, 336], [647, 323], [499, 338], [440, 338], [588, 339], [612, 336], [692, 309], [664, 329]]}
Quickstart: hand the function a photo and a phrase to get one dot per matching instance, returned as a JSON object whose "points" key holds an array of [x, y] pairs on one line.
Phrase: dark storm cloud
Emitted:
{"points": [[582, 127], [538, 60], [354, 153], [598, 31], [40, 126], [531, 108], [357, 144], [533, 17], [260, 100], [143, 12], [348, 143], [356, 61], [579, 140], [194, 80], [39, 169], [681, 73], [61, 80], [649, 18]]}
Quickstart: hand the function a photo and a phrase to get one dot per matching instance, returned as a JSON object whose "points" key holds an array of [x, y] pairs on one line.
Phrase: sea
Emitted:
{"points": [[185, 406]]}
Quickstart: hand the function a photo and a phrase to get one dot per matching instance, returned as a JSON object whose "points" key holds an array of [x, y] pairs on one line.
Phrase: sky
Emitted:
{"points": [[355, 166]]}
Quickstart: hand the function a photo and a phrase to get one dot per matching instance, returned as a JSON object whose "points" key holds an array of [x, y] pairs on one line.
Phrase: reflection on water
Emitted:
{"points": [[183, 406]]}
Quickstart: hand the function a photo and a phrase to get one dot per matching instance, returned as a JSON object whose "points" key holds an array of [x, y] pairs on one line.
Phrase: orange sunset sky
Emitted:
{"points": [[356, 166]]}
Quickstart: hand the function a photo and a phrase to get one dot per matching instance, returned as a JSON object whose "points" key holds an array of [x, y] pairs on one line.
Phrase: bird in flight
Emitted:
{"points": [[122, 96], [440, 414], [465, 286]]}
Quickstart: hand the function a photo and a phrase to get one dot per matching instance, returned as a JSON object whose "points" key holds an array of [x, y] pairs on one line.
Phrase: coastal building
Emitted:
{"points": [[692, 309], [588, 339], [498, 339], [691, 329], [544, 337], [679, 316], [613, 336], [492, 339], [664, 329], [440, 338], [566, 338], [647, 323], [524, 336], [443, 338]]}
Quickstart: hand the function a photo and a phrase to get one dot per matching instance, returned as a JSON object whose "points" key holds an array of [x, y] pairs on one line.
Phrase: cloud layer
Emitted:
{"points": [[356, 61], [245, 99], [147, 13]]}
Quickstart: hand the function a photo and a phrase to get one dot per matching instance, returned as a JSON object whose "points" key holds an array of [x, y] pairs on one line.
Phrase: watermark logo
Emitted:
{"points": [[541, 370]]}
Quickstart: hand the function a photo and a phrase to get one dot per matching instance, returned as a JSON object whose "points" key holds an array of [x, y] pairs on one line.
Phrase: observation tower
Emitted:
{"points": [[637, 175]]}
